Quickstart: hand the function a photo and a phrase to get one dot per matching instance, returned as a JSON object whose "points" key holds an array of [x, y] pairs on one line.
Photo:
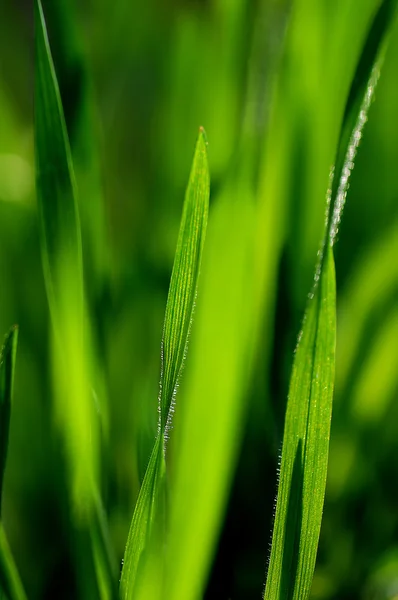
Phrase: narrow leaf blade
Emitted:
{"points": [[209, 426], [184, 277], [177, 325], [307, 424], [142, 520], [63, 273], [305, 447], [59, 219]]}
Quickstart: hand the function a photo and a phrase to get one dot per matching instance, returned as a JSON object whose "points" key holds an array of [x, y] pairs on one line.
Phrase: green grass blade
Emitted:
{"points": [[76, 89], [305, 447], [143, 518], [307, 423], [177, 325], [184, 279], [7, 364], [59, 220], [62, 265], [209, 426]]}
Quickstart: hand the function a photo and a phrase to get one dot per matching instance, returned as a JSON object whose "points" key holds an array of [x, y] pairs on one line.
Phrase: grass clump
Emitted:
{"points": [[192, 492]]}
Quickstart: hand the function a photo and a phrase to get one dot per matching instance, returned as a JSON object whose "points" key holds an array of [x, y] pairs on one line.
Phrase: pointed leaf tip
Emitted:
{"points": [[202, 133]]}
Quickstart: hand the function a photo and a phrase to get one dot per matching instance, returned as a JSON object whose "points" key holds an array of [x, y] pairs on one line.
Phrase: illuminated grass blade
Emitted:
{"points": [[307, 423], [177, 325], [184, 280], [10, 582], [63, 272], [62, 265]]}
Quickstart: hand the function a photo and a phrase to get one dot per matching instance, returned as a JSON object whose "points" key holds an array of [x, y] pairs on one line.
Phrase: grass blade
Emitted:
{"points": [[177, 326], [63, 273], [80, 119], [143, 517], [305, 447], [184, 280], [371, 286], [62, 264], [307, 423], [10, 582], [209, 426], [59, 219]]}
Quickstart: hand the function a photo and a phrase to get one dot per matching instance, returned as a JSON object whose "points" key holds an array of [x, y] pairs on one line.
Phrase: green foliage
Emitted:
{"points": [[177, 325], [284, 88], [62, 264], [306, 446], [184, 282], [63, 273], [56, 187], [207, 429]]}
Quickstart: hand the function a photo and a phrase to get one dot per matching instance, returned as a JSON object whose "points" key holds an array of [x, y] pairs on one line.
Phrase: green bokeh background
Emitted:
{"points": [[137, 80]]}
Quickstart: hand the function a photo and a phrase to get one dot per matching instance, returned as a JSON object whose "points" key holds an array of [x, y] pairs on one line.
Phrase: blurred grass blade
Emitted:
{"points": [[79, 114], [177, 325], [62, 265], [63, 272], [81, 124], [7, 363], [57, 205], [209, 425], [305, 447], [10, 582]]}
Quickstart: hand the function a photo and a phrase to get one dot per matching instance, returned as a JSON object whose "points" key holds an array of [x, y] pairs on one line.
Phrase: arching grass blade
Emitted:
{"points": [[307, 423]]}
